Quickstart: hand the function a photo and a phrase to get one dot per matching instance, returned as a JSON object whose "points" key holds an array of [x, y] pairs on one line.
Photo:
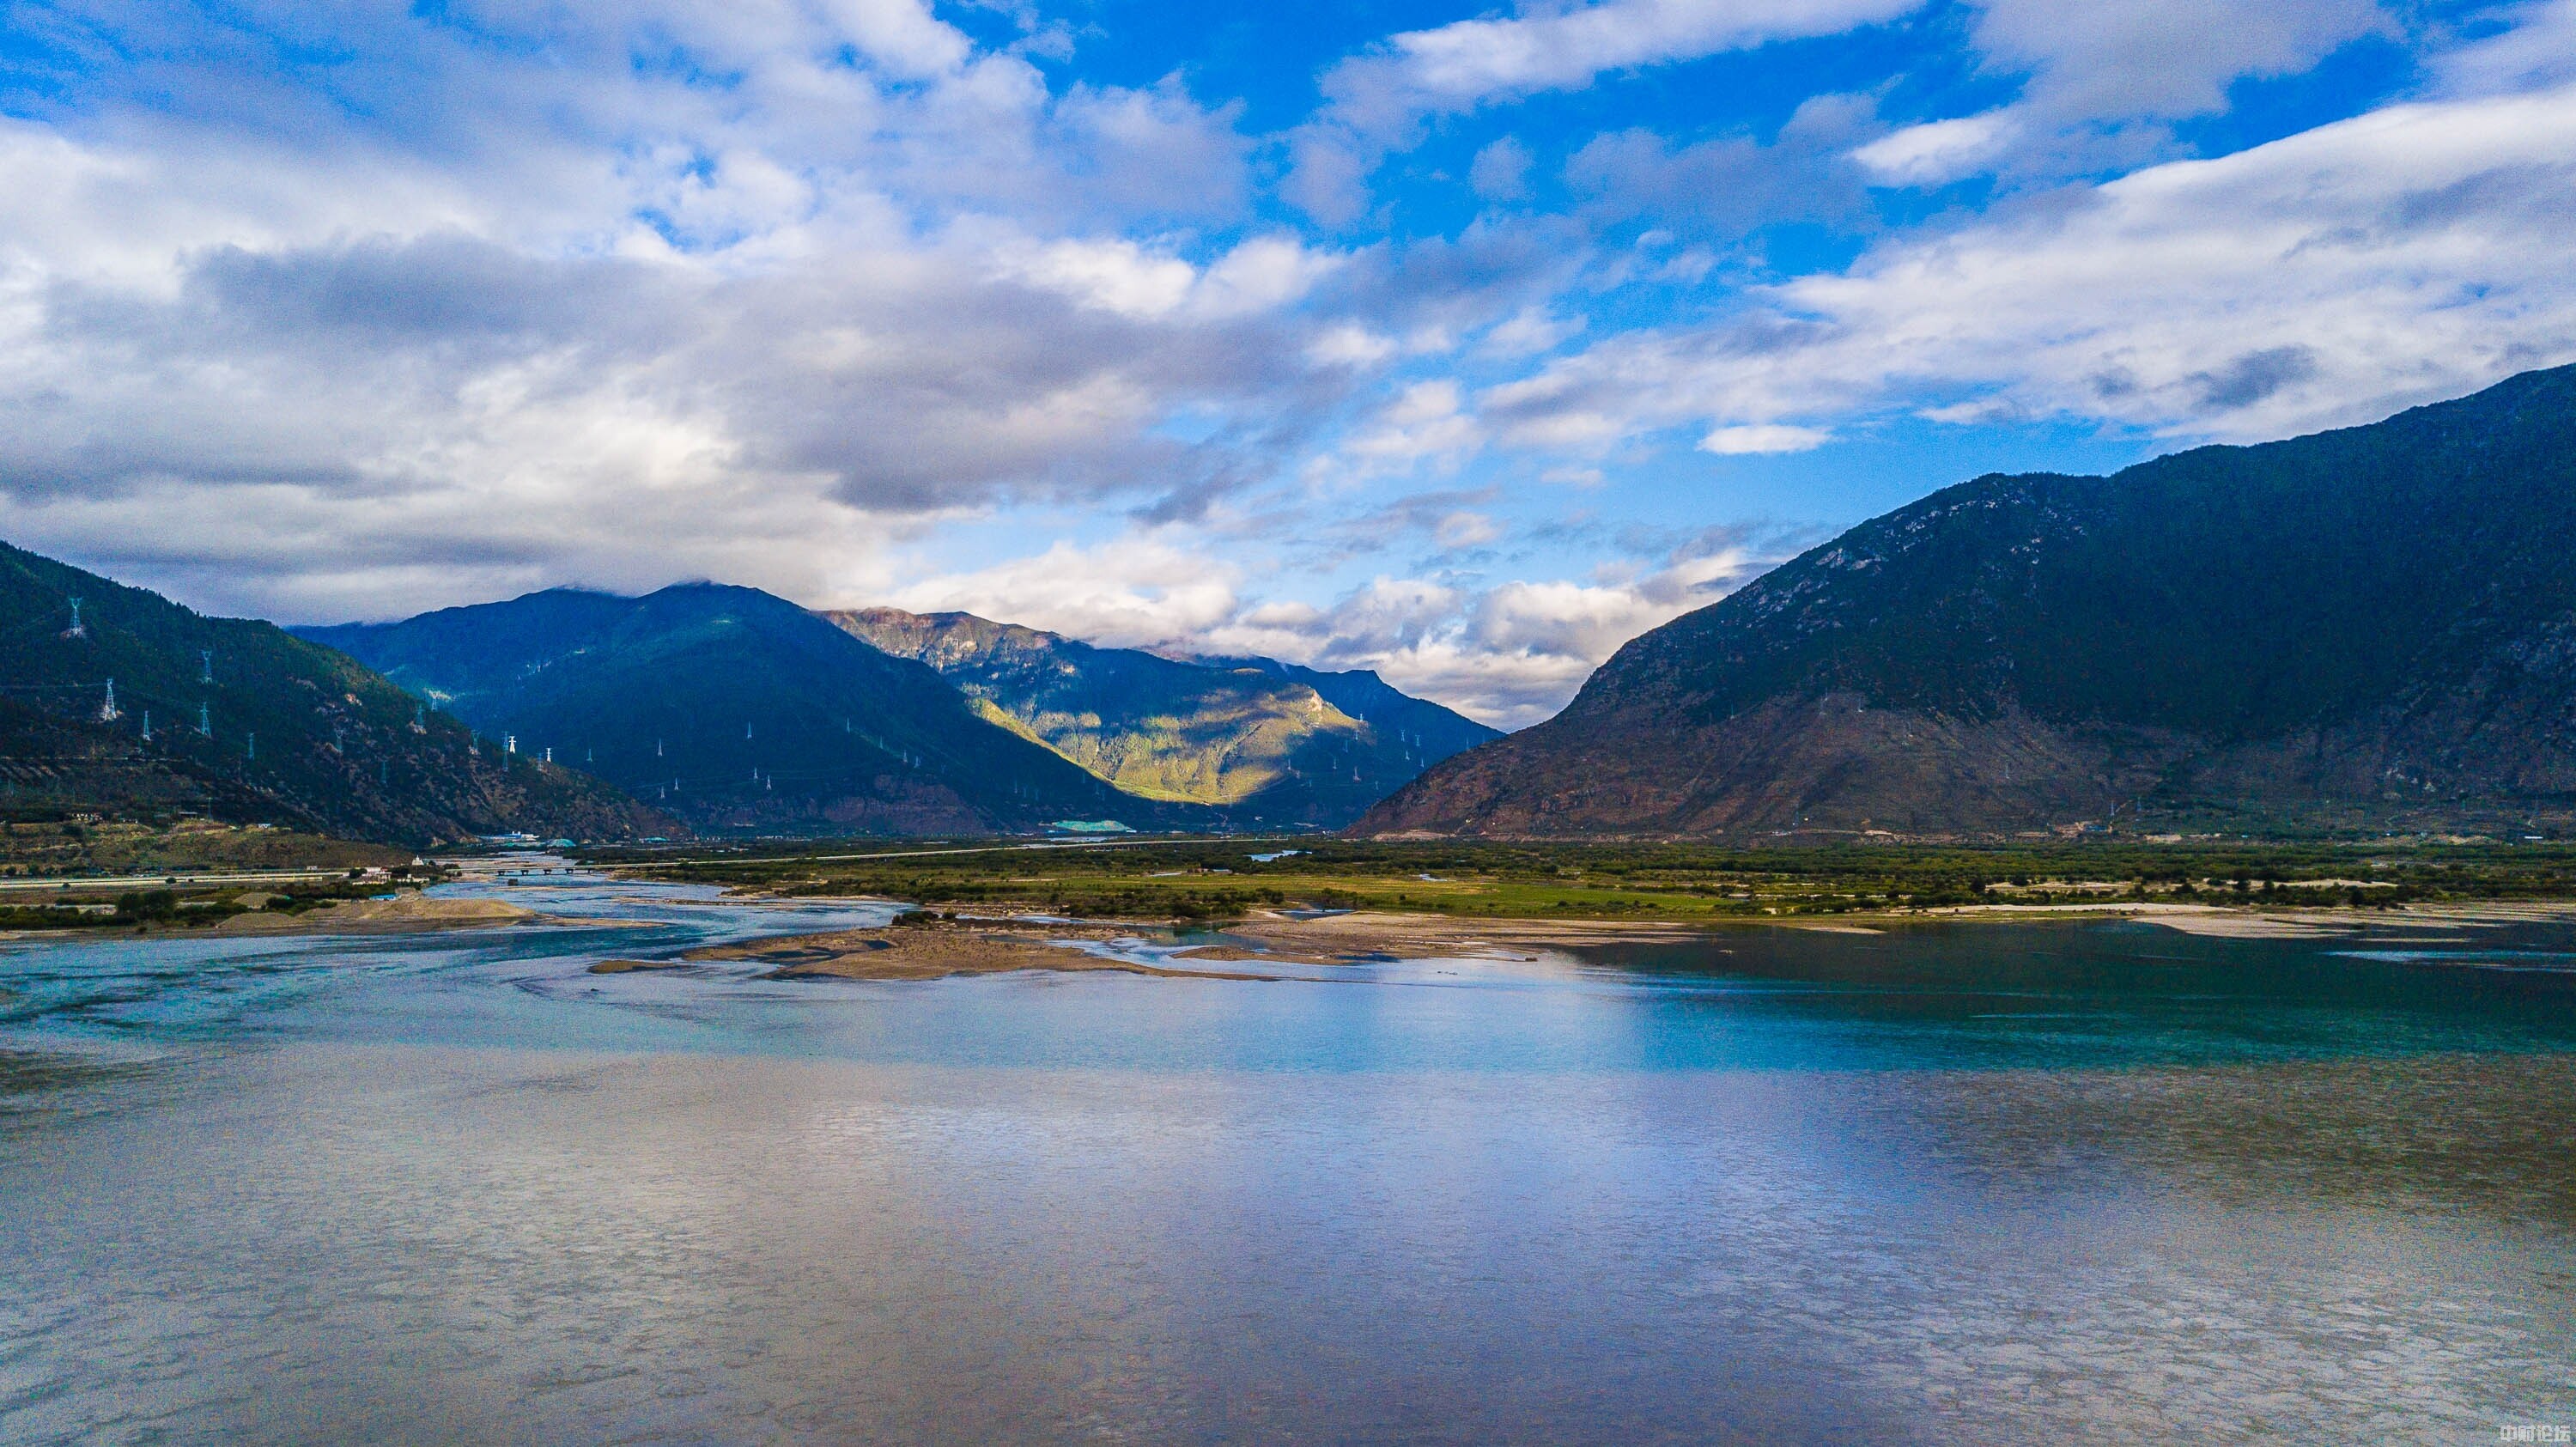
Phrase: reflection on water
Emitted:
{"points": [[2079, 1183]]}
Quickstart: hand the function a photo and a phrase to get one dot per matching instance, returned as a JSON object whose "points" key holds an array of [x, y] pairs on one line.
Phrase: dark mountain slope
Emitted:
{"points": [[734, 710], [293, 733], [1262, 742], [2369, 627]]}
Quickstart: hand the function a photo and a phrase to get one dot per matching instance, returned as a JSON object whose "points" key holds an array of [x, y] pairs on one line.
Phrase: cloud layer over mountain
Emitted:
{"points": [[1464, 351]]}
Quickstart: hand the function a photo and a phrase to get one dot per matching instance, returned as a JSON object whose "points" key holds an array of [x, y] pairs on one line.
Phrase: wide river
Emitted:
{"points": [[2078, 1182]]}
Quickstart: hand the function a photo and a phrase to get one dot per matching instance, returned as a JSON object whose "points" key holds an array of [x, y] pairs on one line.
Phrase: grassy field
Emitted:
{"points": [[1202, 879], [71, 848]]}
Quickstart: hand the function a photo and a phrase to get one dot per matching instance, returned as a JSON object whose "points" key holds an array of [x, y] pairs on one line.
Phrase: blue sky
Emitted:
{"points": [[1463, 343]]}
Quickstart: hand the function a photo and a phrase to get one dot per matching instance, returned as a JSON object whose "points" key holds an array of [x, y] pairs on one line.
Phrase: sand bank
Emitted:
{"points": [[1368, 935], [2241, 923], [930, 952], [403, 914]]}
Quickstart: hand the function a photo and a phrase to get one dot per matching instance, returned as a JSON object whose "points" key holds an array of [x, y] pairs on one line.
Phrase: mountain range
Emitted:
{"points": [[1256, 741], [2372, 629], [740, 712], [734, 710], [118, 701], [2366, 629]]}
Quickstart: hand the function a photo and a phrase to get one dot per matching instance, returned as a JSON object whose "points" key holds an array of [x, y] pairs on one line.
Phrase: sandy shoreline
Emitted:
{"points": [[404, 914], [1340, 939], [928, 952], [988, 946], [993, 946], [971, 946]]}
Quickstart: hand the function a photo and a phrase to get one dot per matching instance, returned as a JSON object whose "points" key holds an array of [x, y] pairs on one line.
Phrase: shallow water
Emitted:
{"points": [[1972, 1184]]}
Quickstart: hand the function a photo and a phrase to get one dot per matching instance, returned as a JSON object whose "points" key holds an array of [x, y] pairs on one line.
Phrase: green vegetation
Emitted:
{"points": [[1272, 744], [78, 846], [1193, 880], [241, 720], [733, 711], [79, 909]]}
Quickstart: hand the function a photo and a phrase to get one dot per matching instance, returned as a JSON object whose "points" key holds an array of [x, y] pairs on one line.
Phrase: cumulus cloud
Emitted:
{"points": [[1136, 592], [710, 308], [2323, 279], [1510, 654], [1937, 151]]}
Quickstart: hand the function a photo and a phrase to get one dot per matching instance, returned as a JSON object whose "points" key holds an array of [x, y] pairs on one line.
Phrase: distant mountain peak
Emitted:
{"points": [[1262, 741]]}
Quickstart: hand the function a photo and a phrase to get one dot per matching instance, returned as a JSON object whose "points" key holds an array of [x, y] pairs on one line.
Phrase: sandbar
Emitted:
{"points": [[403, 914], [929, 951]]}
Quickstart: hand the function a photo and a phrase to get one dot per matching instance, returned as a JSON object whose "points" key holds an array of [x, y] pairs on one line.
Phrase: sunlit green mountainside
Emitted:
{"points": [[1428, 730], [247, 723], [736, 711], [1264, 742], [2371, 628]]}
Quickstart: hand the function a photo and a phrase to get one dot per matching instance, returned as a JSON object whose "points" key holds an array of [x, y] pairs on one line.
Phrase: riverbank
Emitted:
{"points": [[930, 950], [939, 948], [402, 914]]}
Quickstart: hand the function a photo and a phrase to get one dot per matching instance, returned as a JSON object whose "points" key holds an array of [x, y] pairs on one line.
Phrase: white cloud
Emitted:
{"points": [[2159, 58], [1766, 437], [1122, 276], [2538, 49], [1377, 101], [2323, 279], [1465, 63], [902, 35], [1136, 592], [1510, 655], [1116, 275], [1529, 331], [1263, 274], [1425, 422], [1348, 344], [573, 316], [1936, 152]]}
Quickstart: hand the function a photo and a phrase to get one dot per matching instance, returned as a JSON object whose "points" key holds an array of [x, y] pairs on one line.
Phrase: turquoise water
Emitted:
{"points": [[1971, 1184]]}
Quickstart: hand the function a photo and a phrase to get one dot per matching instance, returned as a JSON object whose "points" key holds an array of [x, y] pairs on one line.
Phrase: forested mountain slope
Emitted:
{"points": [[245, 722], [736, 711]]}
